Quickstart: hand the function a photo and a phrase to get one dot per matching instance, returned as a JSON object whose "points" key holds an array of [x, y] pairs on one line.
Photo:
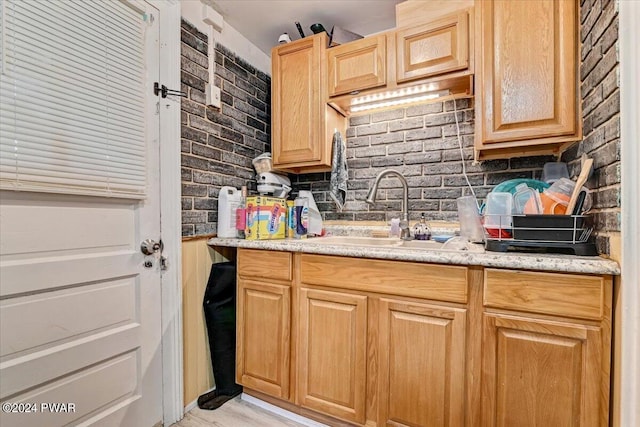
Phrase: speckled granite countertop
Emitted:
{"points": [[522, 261]]}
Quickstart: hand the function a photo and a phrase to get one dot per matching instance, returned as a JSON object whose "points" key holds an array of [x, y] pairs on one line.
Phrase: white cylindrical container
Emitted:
{"points": [[229, 200], [469, 217], [497, 214]]}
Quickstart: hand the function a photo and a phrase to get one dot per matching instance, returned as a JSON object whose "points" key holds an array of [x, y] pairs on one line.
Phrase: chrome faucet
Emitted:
{"points": [[405, 234]]}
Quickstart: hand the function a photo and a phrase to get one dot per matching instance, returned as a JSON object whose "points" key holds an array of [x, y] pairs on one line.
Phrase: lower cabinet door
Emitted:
{"points": [[263, 337], [542, 373], [422, 364], [332, 352]]}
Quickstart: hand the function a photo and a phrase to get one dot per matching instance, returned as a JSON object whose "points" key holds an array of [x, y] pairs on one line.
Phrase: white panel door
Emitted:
{"points": [[80, 325]]}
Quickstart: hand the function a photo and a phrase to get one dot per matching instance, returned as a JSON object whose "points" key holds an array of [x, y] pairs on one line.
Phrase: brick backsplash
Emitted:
{"points": [[218, 144], [422, 143], [600, 90]]}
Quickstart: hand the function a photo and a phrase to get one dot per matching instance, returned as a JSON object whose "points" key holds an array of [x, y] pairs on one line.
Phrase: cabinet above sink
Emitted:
{"points": [[434, 58], [358, 65], [315, 87], [524, 83]]}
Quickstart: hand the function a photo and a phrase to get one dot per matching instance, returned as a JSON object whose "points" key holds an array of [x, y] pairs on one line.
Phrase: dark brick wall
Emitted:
{"points": [[218, 144], [420, 142], [600, 88]]}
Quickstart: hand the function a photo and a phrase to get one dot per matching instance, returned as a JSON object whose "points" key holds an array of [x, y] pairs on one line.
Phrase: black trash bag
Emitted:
{"points": [[220, 315]]}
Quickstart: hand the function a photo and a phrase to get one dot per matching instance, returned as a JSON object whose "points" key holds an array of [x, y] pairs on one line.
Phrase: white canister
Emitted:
{"points": [[229, 200]]}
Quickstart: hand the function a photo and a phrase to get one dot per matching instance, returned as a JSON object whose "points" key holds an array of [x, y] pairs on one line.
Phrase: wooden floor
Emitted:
{"points": [[234, 413]]}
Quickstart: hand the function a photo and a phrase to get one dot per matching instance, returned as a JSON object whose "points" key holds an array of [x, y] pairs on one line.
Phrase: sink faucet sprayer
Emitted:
{"points": [[371, 198]]}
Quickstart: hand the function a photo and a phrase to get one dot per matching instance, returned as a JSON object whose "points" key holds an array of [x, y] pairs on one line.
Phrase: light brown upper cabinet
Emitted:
{"points": [[410, 13], [527, 79], [358, 65], [434, 56], [434, 48], [302, 123]]}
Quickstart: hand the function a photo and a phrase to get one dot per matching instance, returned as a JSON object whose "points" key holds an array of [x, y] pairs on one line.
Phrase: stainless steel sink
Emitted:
{"points": [[386, 242], [421, 244], [357, 241], [394, 243]]}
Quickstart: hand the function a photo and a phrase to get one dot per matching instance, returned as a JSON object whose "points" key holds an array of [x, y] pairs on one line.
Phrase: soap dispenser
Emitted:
{"points": [[421, 230]]}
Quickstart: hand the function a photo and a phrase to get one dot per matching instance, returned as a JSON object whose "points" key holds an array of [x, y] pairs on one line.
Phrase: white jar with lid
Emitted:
{"points": [[229, 199]]}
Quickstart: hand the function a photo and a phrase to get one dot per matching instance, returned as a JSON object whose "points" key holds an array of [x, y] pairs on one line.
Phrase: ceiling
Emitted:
{"points": [[263, 21]]}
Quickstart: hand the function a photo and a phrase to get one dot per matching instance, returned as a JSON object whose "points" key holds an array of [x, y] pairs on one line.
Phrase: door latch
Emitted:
{"points": [[165, 91]]}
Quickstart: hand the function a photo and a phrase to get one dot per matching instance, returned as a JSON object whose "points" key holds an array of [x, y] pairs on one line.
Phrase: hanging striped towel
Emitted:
{"points": [[339, 174]]}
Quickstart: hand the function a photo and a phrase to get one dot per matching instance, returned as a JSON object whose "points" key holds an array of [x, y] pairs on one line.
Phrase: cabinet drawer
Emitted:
{"points": [[567, 295], [268, 264], [411, 279]]}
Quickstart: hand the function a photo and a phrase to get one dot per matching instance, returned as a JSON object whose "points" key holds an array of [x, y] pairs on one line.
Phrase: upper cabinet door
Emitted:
{"points": [[528, 80], [302, 123], [296, 101], [357, 65], [438, 47]]}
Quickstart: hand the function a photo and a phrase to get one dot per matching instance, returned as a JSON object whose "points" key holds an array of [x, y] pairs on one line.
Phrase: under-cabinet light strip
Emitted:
{"points": [[399, 101], [398, 93]]}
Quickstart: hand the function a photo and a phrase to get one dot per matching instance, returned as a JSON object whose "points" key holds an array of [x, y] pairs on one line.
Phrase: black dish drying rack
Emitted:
{"points": [[548, 233]]}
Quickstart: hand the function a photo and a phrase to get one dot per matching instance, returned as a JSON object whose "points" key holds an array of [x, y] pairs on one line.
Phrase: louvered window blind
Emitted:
{"points": [[71, 97]]}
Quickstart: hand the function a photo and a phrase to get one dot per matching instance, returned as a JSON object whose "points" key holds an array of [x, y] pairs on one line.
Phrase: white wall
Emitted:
{"points": [[194, 11], [629, 313]]}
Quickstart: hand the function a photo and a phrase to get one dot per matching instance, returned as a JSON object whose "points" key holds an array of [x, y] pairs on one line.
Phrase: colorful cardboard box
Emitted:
{"points": [[265, 218]]}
